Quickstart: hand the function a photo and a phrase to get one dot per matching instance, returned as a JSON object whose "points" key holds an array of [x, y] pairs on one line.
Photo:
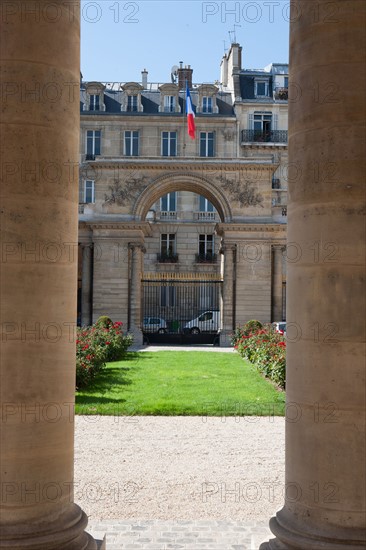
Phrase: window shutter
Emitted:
{"points": [[275, 122], [250, 121]]}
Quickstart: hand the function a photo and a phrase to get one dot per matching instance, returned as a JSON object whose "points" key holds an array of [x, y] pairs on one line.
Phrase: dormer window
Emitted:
{"points": [[169, 98], [261, 88], [94, 104], [207, 104], [132, 105], [207, 99], [94, 97], [169, 104], [131, 100]]}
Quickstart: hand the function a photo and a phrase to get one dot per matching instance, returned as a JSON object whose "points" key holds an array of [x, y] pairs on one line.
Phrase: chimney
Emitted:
{"points": [[184, 75], [224, 71], [144, 74]]}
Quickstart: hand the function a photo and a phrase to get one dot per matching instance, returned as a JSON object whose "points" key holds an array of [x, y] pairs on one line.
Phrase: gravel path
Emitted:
{"points": [[186, 468]]}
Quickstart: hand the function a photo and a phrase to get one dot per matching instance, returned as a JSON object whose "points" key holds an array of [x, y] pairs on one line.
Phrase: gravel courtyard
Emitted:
{"points": [[179, 468]]}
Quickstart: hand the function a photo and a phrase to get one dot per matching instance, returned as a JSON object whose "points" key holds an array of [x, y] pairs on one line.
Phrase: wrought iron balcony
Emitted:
{"points": [[263, 136], [89, 156], [208, 258], [167, 258], [276, 184]]}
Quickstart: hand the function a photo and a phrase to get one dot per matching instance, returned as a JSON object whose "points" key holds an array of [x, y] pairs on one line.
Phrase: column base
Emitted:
{"points": [[138, 337], [65, 532], [291, 538], [225, 338]]}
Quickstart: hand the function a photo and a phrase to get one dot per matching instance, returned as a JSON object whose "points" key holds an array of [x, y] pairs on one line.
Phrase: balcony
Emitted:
{"points": [[276, 184], [206, 216], [264, 136], [207, 258], [280, 94], [81, 208], [167, 258], [168, 215], [89, 156]]}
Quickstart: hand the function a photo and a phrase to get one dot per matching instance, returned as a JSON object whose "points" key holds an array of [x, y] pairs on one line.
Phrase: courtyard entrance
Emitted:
{"points": [[181, 308]]}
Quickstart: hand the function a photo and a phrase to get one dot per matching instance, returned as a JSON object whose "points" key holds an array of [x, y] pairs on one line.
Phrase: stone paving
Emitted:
{"points": [[181, 534]]}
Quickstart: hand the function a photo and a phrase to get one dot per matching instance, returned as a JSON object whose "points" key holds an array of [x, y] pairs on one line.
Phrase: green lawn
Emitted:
{"points": [[180, 383]]}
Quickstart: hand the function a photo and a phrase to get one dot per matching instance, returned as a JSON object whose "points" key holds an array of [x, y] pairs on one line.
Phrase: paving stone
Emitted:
{"points": [[181, 534]]}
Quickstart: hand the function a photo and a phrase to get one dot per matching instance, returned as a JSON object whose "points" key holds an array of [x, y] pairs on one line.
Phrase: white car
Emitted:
{"points": [[280, 327], [154, 324], [209, 321]]}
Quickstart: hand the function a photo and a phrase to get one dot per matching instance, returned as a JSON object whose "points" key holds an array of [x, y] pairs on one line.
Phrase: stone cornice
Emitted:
{"points": [[121, 226], [225, 228], [176, 164]]}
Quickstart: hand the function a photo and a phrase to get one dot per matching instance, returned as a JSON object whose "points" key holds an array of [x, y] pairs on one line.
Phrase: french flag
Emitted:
{"points": [[190, 115]]}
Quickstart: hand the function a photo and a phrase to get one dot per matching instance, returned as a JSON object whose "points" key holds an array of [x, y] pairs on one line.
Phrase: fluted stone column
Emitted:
{"points": [[325, 432], [86, 285], [277, 280], [39, 51], [136, 256], [228, 250]]}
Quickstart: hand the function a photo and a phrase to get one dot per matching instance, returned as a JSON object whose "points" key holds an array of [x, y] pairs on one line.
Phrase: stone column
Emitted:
{"points": [[277, 259], [228, 250], [136, 251], [86, 285], [325, 429], [39, 51]]}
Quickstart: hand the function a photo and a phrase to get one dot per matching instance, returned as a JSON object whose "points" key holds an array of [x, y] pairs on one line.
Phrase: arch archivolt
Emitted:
{"points": [[182, 182]]}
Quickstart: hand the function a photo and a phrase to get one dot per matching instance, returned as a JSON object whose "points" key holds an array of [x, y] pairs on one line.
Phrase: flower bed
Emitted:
{"points": [[102, 342], [264, 348]]}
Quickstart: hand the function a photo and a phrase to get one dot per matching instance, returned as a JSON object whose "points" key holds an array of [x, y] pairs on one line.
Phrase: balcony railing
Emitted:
{"points": [[167, 258], [207, 258], [168, 215], [206, 216], [89, 156], [263, 136], [81, 208], [281, 94]]}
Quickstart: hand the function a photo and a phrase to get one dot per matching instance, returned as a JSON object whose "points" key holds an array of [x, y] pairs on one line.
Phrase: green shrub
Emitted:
{"points": [[266, 349], [96, 345], [104, 321]]}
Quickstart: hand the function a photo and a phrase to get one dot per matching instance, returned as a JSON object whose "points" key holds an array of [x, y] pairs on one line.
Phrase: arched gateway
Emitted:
{"points": [[194, 249]]}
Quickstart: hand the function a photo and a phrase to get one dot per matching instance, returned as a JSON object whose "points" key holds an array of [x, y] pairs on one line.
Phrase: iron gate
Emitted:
{"points": [[181, 308]]}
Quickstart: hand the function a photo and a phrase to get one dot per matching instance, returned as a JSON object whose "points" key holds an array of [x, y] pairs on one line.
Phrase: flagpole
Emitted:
{"points": [[185, 121]]}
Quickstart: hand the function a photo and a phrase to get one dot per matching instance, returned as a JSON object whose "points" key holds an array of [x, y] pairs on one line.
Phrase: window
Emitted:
{"points": [[93, 138], [168, 203], [205, 205], [286, 82], [167, 296], [94, 104], [131, 148], [167, 247], [263, 122], [207, 104], [206, 245], [132, 103], [169, 144], [206, 144], [261, 88], [88, 194], [169, 104]]}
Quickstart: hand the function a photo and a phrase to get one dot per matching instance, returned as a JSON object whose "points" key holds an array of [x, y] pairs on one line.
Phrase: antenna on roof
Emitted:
{"points": [[234, 33], [225, 49], [174, 73]]}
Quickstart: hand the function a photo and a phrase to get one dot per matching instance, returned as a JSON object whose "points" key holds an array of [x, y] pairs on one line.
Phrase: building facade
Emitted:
{"points": [[172, 228]]}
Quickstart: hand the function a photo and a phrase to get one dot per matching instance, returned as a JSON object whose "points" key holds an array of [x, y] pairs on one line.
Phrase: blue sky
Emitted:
{"points": [[120, 38]]}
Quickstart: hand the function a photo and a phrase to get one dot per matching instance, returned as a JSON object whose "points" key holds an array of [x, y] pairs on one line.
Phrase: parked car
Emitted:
{"points": [[209, 321], [154, 324], [280, 327]]}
